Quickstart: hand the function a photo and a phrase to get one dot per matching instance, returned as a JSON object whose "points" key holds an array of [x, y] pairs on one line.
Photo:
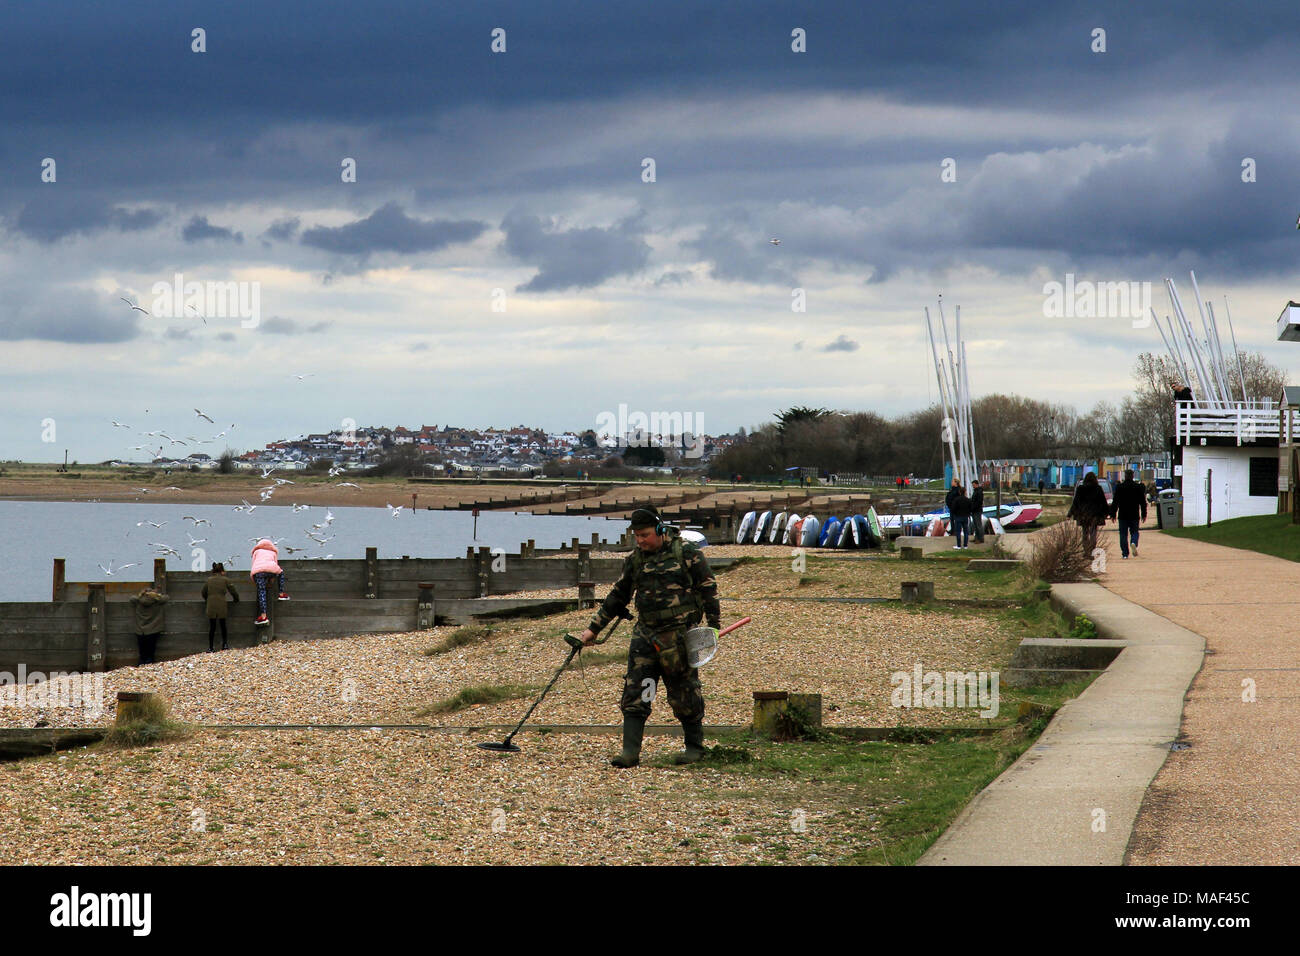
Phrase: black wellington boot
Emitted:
{"points": [[694, 733], [633, 731]]}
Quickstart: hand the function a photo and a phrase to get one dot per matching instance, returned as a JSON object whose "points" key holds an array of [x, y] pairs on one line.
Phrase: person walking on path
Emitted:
{"points": [[1130, 501], [1089, 509], [958, 511], [674, 590], [977, 511], [149, 615], [265, 569], [214, 592]]}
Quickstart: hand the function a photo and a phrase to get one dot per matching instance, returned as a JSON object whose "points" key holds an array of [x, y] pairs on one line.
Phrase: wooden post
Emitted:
{"points": [[60, 579], [266, 633], [532, 545], [586, 594], [371, 584], [916, 592], [96, 632], [424, 616], [778, 713], [584, 563], [129, 704], [160, 575], [482, 570], [911, 553]]}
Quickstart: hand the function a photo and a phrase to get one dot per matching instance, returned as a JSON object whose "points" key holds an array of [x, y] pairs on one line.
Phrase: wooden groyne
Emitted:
{"points": [[90, 625]]}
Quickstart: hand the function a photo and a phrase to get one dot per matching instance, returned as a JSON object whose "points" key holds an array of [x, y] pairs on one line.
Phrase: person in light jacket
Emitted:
{"points": [[265, 568], [214, 592], [149, 615]]}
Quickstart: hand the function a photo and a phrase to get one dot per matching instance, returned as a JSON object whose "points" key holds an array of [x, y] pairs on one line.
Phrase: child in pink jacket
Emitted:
{"points": [[265, 567]]}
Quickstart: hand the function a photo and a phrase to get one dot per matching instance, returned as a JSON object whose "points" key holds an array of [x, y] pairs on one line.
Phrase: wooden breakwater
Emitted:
{"points": [[90, 625]]}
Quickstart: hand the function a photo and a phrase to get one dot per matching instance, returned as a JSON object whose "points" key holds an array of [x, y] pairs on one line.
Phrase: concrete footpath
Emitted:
{"points": [[1072, 798], [1231, 796]]}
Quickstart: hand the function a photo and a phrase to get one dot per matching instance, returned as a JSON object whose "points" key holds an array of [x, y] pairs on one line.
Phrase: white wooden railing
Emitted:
{"points": [[1243, 421]]}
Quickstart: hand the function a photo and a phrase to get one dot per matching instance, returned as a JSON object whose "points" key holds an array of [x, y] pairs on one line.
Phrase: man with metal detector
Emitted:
{"points": [[674, 590]]}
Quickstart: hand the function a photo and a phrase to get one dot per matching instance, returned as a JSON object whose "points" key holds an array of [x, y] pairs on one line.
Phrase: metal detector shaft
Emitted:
{"points": [[573, 652]]}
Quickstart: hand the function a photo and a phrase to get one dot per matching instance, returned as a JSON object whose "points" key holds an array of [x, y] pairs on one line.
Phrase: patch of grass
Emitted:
{"points": [[478, 694], [150, 723], [808, 579], [1267, 534], [461, 637]]}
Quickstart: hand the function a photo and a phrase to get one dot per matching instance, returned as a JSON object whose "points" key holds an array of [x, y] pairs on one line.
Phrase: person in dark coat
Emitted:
{"points": [[214, 592], [149, 611], [959, 511], [977, 511], [1089, 509], [1130, 502]]}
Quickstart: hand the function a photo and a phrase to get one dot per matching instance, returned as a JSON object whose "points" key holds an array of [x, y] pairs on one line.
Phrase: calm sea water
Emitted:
{"points": [[88, 534]]}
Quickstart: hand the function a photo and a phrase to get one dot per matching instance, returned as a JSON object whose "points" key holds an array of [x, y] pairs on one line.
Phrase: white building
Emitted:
{"points": [[1227, 458]]}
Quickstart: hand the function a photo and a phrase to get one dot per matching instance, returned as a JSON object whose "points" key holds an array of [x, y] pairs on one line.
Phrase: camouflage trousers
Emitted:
{"points": [[645, 666]]}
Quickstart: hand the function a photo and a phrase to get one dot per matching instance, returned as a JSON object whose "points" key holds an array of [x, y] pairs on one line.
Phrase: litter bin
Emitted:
{"points": [[1169, 508]]}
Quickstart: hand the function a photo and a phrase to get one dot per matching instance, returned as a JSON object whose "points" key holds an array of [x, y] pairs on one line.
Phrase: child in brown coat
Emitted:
{"points": [[215, 591]]}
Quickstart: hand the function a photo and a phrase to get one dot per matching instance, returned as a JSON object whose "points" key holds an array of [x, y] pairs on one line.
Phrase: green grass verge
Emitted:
{"points": [[887, 802], [1267, 534], [479, 694], [461, 637]]}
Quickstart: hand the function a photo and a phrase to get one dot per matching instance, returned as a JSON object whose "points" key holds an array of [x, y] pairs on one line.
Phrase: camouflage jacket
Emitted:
{"points": [[673, 586]]}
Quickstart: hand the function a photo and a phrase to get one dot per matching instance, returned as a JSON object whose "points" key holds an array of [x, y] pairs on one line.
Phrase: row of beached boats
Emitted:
{"points": [[867, 531]]}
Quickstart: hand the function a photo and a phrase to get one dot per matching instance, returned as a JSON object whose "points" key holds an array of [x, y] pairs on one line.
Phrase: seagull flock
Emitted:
{"points": [[318, 530]]}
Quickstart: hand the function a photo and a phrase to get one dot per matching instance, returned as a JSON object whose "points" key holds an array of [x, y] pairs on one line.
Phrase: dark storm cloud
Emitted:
{"points": [[841, 344], [283, 229], [59, 213], [198, 229], [74, 316], [575, 258], [403, 59], [389, 229]]}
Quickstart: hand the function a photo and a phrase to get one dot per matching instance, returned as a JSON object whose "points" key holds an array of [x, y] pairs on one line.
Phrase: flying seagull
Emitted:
{"points": [[110, 570], [194, 540], [197, 521], [136, 307], [117, 424], [348, 484], [204, 417], [200, 315], [775, 242], [154, 524], [301, 377], [297, 508], [394, 512]]}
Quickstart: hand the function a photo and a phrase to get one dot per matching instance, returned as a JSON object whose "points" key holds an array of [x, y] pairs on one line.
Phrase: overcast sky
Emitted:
{"points": [[515, 178]]}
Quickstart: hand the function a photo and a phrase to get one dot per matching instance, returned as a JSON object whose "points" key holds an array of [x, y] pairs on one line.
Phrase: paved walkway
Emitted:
{"points": [[1233, 796]]}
